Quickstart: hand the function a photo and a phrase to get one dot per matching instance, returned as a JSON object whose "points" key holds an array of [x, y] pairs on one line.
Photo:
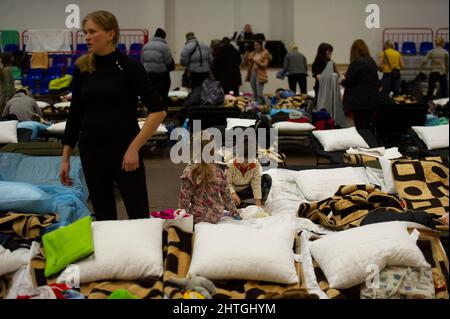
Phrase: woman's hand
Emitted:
{"points": [[130, 161], [236, 199], [64, 174]]}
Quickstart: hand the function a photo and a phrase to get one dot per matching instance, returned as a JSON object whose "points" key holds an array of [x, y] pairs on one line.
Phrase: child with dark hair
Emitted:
{"points": [[245, 177]]}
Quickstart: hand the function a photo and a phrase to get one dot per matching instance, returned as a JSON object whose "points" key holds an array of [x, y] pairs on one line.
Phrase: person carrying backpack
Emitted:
{"points": [[196, 57]]}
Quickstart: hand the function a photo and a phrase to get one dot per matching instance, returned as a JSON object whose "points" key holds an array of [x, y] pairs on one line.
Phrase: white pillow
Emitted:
{"points": [[434, 137], [42, 105], [8, 132], [441, 102], [386, 166], [340, 140], [57, 128], [124, 250], [236, 251], [233, 122], [294, 127], [179, 94], [319, 184], [345, 257], [62, 105]]}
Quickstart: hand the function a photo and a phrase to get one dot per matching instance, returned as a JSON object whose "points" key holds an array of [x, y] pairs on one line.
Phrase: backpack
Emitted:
{"points": [[212, 93]]}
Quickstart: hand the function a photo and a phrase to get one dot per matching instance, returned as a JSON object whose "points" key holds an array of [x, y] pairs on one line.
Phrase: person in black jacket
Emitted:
{"points": [[227, 67], [323, 56], [362, 85], [102, 118]]}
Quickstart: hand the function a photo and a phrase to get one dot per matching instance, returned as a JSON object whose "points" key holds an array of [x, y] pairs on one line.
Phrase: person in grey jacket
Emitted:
{"points": [[295, 65], [158, 62], [22, 106], [196, 57]]}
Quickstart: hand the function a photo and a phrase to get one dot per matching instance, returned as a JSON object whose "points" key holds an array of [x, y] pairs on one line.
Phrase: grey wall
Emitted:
{"points": [[308, 22]]}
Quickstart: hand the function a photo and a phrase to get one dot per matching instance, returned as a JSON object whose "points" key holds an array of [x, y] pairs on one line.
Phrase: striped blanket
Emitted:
{"points": [[348, 206], [423, 184], [177, 257]]}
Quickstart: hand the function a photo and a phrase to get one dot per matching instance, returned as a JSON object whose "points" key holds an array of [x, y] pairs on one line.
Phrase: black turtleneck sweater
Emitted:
{"points": [[104, 104]]}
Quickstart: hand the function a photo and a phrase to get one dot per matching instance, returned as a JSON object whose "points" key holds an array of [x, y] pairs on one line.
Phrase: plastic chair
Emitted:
{"points": [[82, 48], [136, 47], [35, 74], [43, 86], [54, 73], [425, 47], [31, 84], [59, 60], [11, 47], [136, 51], [122, 47], [409, 48]]}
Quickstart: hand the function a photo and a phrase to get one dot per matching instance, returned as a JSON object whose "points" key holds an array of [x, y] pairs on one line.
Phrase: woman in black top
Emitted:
{"points": [[102, 118], [323, 56], [362, 86], [227, 67]]}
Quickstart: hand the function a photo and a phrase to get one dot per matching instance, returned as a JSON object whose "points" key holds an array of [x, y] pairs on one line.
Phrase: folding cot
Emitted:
{"points": [[337, 157]]}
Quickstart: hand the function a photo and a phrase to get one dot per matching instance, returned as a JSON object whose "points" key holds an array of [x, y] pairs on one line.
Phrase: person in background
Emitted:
{"points": [[247, 33], [196, 57], [245, 39], [295, 64], [390, 60], [204, 187], [227, 67], [438, 57], [362, 85], [158, 63], [7, 89], [258, 61], [22, 105], [102, 120], [323, 56], [245, 177]]}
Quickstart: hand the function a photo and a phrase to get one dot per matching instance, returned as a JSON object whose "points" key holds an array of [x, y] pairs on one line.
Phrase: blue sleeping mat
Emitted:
{"points": [[40, 178]]}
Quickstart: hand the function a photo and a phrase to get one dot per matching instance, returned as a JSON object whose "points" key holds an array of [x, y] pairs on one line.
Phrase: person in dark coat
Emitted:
{"points": [[227, 67], [158, 62], [323, 56], [362, 86]]}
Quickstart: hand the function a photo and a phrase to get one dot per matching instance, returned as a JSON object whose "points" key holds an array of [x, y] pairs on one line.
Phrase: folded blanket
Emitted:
{"points": [[348, 206], [25, 226], [390, 153], [423, 184]]}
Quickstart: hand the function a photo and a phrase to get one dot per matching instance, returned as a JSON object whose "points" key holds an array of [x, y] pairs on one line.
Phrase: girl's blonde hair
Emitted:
{"points": [[440, 42], [203, 172], [108, 22]]}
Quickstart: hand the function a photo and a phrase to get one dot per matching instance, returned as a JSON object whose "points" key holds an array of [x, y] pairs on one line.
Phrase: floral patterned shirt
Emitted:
{"points": [[205, 202]]}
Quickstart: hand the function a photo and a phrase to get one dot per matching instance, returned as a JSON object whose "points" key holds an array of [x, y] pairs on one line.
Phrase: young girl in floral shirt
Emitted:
{"points": [[204, 191]]}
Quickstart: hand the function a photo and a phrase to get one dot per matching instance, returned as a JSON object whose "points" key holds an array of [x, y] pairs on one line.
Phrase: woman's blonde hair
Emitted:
{"points": [[293, 47], [359, 50], [389, 45], [203, 172], [108, 22]]}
